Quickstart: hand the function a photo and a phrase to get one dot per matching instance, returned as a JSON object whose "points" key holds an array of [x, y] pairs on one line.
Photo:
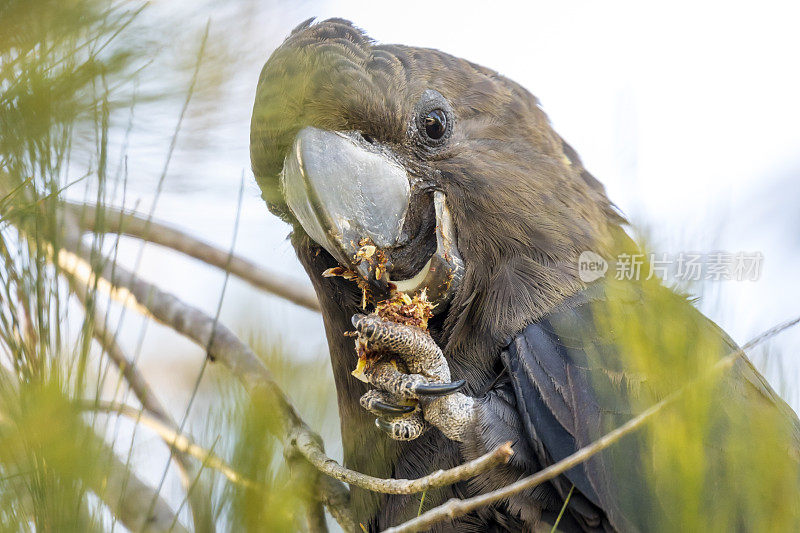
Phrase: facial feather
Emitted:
{"points": [[524, 206]]}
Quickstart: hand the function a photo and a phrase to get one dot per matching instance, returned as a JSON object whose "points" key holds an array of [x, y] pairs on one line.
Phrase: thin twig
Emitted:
{"points": [[128, 497], [421, 502], [171, 437], [220, 343], [199, 505], [563, 508], [133, 225], [454, 508], [199, 377], [440, 478]]}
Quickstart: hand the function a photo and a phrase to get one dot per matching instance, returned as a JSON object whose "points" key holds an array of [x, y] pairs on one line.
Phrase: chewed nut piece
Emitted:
{"points": [[366, 252], [403, 309], [358, 373]]}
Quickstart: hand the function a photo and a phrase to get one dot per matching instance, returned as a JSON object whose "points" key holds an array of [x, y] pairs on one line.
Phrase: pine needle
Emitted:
{"points": [[563, 508], [421, 501]]}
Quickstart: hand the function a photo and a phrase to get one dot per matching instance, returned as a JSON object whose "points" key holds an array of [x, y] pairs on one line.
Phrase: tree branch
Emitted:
{"points": [[128, 223], [454, 508], [172, 437], [440, 478], [336, 498], [220, 343], [199, 505]]}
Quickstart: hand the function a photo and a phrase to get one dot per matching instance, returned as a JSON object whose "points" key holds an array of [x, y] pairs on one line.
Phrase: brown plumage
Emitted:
{"points": [[524, 208], [536, 204]]}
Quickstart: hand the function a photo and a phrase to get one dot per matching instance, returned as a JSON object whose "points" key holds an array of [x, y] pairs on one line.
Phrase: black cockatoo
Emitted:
{"points": [[454, 174]]}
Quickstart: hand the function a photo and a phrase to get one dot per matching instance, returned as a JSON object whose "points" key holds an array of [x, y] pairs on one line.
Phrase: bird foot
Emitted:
{"points": [[413, 383]]}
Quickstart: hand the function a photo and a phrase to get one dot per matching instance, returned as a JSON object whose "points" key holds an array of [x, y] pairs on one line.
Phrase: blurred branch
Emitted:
{"points": [[315, 519], [172, 437], [440, 478], [220, 343], [454, 508], [134, 503], [197, 496], [133, 225], [131, 501], [336, 498]]}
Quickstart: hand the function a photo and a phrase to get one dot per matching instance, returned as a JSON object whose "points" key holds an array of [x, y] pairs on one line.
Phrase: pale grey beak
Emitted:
{"points": [[345, 192]]}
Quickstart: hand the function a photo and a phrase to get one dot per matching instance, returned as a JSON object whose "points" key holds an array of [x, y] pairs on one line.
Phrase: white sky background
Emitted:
{"points": [[688, 112]]}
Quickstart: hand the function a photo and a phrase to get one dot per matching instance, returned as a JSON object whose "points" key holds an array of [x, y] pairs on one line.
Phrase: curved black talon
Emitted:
{"points": [[439, 389], [391, 409], [384, 425]]}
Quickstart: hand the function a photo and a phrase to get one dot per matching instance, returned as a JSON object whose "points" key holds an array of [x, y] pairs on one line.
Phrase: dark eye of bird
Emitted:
{"points": [[435, 124]]}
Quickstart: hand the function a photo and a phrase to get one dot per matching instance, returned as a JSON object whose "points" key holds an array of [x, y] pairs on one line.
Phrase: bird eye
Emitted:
{"points": [[435, 124], [433, 118]]}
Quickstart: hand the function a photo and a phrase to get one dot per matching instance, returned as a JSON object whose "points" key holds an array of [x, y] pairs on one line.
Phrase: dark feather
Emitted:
{"points": [[570, 385]]}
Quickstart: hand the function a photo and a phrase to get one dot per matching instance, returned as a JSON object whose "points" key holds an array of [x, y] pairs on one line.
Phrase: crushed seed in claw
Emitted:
{"points": [[367, 358], [399, 307], [403, 309], [361, 366]]}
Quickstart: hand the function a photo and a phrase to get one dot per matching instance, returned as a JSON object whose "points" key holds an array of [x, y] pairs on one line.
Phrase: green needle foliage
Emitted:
{"points": [[720, 458], [56, 59], [50, 460], [67, 68]]}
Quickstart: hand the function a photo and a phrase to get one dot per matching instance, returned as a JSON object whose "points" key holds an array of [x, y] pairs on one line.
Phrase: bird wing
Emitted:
{"points": [[574, 382]]}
